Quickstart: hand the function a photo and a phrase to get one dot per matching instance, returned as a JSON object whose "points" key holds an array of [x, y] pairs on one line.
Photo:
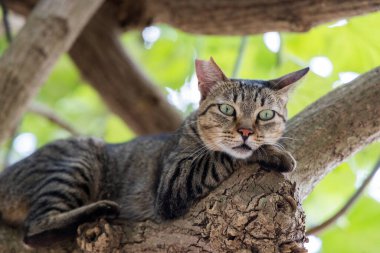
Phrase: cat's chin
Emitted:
{"points": [[239, 152]]}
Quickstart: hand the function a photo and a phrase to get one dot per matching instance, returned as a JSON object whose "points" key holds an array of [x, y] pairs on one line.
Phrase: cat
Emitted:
{"points": [[70, 182]]}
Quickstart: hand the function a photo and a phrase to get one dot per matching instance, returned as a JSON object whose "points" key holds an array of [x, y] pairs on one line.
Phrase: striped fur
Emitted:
{"points": [[72, 181]]}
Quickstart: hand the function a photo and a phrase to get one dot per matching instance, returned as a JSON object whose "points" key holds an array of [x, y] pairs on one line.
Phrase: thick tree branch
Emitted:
{"points": [[240, 17], [51, 29]]}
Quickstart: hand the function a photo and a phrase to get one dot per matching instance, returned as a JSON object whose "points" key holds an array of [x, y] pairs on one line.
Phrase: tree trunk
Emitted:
{"points": [[51, 29]]}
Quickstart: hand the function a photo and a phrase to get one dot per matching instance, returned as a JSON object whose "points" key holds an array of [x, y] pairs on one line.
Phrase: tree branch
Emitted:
{"points": [[50, 115], [334, 128], [352, 200], [50, 30], [240, 17], [104, 63], [6, 23]]}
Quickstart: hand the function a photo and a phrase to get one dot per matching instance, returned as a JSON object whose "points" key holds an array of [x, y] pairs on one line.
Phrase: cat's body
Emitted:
{"points": [[73, 181]]}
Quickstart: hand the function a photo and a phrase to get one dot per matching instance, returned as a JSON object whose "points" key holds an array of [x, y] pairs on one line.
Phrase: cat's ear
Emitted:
{"points": [[208, 74], [286, 83]]}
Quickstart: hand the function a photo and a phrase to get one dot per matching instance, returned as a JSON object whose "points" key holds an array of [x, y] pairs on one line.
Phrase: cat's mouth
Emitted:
{"points": [[243, 148]]}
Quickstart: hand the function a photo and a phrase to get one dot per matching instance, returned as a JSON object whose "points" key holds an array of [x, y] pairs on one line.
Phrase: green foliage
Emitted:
{"points": [[169, 62], [356, 232]]}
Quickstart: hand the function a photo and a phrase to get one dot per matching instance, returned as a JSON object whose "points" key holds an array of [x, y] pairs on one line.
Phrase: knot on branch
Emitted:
{"points": [[259, 214], [99, 237]]}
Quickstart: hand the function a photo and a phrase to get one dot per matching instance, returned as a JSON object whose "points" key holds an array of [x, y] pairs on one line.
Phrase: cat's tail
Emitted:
{"points": [[2, 199], [13, 206]]}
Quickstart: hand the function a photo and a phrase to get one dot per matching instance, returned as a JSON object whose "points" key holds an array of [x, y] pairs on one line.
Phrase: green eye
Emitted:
{"points": [[227, 109], [266, 114]]}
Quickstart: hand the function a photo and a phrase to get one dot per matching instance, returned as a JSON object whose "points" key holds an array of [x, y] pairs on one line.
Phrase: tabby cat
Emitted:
{"points": [[69, 182]]}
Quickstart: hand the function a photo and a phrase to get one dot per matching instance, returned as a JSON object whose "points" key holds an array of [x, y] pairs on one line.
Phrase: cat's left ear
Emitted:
{"points": [[208, 74], [286, 83]]}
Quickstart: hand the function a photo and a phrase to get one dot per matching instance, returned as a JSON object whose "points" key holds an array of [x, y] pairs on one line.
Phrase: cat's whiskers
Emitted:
{"points": [[193, 150], [201, 151], [290, 138], [278, 145]]}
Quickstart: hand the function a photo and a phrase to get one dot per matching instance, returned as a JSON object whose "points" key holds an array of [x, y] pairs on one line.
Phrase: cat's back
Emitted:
{"points": [[86, 168], [56, 167], [137, 165], [140, 149]]}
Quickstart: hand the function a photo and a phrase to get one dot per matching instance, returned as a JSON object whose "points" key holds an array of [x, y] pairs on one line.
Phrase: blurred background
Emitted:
{"points": [[336, 53]]}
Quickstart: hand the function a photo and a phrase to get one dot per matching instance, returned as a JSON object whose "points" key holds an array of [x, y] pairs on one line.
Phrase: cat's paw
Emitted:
{"points": [[106, 209], [281, 162], [292, 247]]}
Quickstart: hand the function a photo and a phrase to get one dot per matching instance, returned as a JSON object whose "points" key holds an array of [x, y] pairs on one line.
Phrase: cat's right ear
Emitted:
{"points": [[208, 74], [286, 83]]}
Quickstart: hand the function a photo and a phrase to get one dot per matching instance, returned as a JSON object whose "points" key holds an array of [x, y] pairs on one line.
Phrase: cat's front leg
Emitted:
{"points": [[274, 158]]}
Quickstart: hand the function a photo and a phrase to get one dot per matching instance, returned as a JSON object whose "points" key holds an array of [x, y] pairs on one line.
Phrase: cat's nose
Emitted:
{"points": [[245, 132]]}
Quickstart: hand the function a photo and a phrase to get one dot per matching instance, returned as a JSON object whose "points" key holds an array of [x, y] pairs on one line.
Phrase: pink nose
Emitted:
{"points": [[245, 132]]}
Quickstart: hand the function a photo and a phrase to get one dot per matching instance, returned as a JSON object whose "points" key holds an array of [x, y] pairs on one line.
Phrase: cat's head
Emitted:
{"points": [[237, 116]]}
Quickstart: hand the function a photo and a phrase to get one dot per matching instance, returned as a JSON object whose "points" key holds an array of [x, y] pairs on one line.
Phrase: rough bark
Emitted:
{"points": [[240, 17], [259, 211], [104, 63], [51, 29]]}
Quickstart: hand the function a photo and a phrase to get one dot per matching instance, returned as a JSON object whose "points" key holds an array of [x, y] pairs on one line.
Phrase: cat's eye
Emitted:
{"points": [[227, 109], [266, 115]]}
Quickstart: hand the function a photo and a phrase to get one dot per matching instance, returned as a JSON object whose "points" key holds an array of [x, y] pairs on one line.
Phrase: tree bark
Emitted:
{"points": [[260, 211], [240, 17], [51, 29]]}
